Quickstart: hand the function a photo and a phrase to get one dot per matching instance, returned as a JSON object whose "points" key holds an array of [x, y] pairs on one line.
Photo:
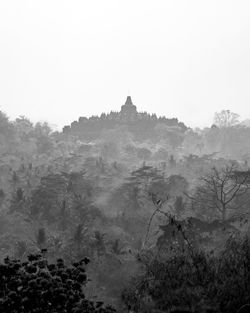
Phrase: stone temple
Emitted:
{"points": [[140, 124], [128, 110]]}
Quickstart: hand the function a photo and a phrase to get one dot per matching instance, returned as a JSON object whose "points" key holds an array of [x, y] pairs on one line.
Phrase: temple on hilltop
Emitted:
{"points": [[128, 110], [140, 124]]}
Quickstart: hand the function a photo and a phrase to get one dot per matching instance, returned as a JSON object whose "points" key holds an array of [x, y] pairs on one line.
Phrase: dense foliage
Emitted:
{"points": [[194, 280], [141, 196], [39, 286]]}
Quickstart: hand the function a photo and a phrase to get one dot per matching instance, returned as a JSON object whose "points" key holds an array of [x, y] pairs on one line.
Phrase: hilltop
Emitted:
{"points": [[141, 125]]}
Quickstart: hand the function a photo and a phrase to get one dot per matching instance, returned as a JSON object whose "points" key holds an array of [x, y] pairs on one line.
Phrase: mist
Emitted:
{"points": [[124, 157]]}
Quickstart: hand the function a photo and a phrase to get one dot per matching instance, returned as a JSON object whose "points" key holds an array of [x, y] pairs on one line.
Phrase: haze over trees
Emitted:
{"points": [[158, 210]]}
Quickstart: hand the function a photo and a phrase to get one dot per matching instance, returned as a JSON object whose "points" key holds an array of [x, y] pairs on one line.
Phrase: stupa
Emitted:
{"points": [[128, 110]]}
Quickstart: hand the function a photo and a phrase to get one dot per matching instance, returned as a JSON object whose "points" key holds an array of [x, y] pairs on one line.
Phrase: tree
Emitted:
{"points": [[171, 134], [23, 126], [44, 145], [226, 118], [109, 150], [42, 129], [193, 281], [6, 129], [193, 141], [222, 191], [42, 287], [47, 197]]}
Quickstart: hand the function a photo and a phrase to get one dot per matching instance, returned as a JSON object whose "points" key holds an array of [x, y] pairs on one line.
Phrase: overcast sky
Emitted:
{"points": [[180, 58]]}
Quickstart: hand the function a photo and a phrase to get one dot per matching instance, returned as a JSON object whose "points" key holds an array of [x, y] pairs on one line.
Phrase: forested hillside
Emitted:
{"points": [[158, 212]]}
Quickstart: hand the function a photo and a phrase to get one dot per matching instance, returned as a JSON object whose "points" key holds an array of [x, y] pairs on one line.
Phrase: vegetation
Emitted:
{"points": [[194, 281], [161, 211], [39, 286]]}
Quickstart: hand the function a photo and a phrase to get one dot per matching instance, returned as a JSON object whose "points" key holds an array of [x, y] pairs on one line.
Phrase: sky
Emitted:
{"points": [[60, 60]]}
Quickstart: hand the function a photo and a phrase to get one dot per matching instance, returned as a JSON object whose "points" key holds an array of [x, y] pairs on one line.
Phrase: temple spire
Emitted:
{"points": [[128, 110], [129, 101]]}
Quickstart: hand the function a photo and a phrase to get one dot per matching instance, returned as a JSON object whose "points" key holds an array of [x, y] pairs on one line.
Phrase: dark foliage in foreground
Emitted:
{"points": [[195, 281], [39, 286]]}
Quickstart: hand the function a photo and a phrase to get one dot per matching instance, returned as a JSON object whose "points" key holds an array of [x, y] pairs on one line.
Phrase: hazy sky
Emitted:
{"points": [[180, 58]]}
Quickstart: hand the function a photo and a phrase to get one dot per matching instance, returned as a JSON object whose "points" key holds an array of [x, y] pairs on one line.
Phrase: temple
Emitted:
{"points": [[140, 124], [128, 110]]}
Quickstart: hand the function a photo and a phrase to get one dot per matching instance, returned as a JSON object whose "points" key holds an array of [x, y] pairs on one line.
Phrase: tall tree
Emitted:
{"points": [[226, 118], [223, 190]]}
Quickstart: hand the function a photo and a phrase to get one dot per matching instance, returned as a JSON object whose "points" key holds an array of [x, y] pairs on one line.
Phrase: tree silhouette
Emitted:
{"points": [[223, 190], [226, 118], [39, 286]]}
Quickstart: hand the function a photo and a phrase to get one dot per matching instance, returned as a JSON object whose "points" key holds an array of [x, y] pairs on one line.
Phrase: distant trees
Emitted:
{"points": [[109, 150], [226, 118], [192, 142], [47, 197], [173, 135], [24, 139], [44, 145], [61, 196], [7, 134], [24, 126], [68, 192], [5, 125], [222, 191], [229, 142]]}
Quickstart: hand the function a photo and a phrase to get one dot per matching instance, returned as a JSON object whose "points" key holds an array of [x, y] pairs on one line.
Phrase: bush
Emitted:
{"points": [[39, 286], [195, 281]]}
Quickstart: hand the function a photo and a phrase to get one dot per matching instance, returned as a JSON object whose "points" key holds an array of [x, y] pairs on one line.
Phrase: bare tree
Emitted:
{"points": [[223, 190], [226, 118]]}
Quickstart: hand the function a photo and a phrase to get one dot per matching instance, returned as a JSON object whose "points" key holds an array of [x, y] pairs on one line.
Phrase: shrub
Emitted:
{"points": [[39, 286], [195, 281]]}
